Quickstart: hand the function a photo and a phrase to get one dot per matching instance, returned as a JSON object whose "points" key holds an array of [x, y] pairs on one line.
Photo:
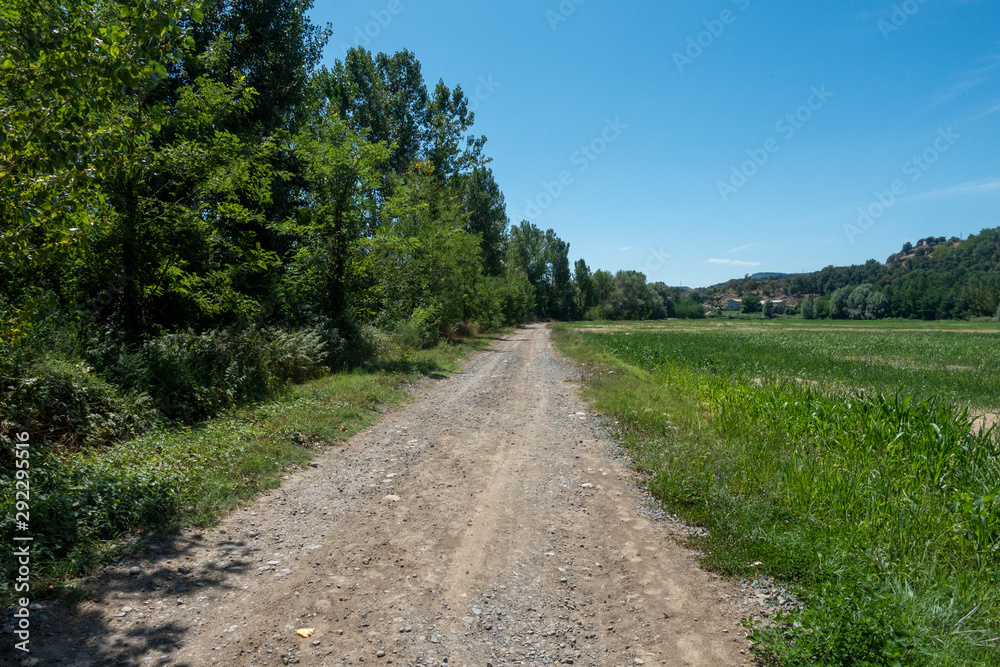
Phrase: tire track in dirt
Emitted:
{"points": [[485, 523]]}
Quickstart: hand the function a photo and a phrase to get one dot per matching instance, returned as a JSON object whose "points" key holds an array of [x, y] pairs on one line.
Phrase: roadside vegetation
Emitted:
{"points": [[91, 504], [844, 463]]}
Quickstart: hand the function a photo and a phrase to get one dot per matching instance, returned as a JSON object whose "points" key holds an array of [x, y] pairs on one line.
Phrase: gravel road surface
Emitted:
{"points": [[486, 523]]}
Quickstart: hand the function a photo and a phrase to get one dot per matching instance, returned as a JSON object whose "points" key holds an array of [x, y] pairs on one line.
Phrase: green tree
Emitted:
{"points": [[604, 288], [72, 75], [385, 98], [487, 212], [422, 263], [632, 299], [448, 119], [273, 48], [808, 309], [838, 304], [560, 280], [752, 304], [584, 282], [340, 170], [668, 298]]}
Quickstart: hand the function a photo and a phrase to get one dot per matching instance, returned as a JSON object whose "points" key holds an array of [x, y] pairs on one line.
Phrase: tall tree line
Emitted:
{"points": [[198, 160], [188, 200]]}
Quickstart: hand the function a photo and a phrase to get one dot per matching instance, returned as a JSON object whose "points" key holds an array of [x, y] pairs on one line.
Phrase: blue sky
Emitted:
{"points": [[699, 141]]}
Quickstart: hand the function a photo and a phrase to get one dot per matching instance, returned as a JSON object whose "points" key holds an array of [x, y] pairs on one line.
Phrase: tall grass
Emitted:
{"points": [[883, 508], [958, 367]]}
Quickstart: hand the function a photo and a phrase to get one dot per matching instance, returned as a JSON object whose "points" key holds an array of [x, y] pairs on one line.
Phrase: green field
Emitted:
{"points": [[851, 462]]}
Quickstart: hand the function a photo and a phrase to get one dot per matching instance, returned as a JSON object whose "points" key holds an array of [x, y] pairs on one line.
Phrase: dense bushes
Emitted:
{"points": [[74, 505], [61, 399], [64, 402], [192, 376]]}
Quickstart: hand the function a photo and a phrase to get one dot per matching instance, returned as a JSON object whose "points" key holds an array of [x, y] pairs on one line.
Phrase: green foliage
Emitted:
{"points": [[484, 204], [63, 404], [937, 279], [420, 330], [752, 304], [838, 303], [688, 308], [808, 309], [866, 303], [193, 376], [69, 76], [544, 258], [75, 505], [852, 622]]}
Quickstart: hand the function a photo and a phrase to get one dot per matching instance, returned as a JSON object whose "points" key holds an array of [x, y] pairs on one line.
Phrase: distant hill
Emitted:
{"points": [[936, 278]]}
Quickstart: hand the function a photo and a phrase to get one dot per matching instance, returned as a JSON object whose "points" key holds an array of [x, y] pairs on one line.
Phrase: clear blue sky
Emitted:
{"points": [[669, 98]]}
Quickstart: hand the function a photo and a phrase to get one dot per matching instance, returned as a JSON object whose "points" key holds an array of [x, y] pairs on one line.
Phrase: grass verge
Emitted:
{"points": [[86, 508], [883, 512]]}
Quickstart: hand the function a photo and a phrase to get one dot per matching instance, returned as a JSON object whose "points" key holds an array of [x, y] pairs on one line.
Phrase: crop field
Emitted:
{"points": [[858, 464]]}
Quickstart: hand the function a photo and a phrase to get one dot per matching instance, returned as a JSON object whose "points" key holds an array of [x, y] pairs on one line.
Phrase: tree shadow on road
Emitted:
{"points": [[108, 629]]}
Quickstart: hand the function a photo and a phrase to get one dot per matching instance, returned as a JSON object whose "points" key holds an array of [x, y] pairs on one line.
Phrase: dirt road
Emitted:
{"points": [[485, 523]]}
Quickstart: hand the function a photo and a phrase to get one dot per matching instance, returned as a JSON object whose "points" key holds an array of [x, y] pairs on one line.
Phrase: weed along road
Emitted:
{"points": [[487, 522]]}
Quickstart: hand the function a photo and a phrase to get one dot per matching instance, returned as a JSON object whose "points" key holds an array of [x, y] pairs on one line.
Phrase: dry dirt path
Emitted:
{"points": [[485, 523]]}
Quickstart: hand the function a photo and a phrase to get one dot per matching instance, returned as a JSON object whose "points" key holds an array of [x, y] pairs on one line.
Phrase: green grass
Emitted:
{"points": [[88, 507], [793, 322], [868, 490], [959, 367]]}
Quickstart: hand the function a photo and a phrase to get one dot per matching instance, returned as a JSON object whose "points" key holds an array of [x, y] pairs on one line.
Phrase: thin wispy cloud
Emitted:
{"points": [[731, 262], [972, 80], [988, 112], [971, 188], [744, 248]]}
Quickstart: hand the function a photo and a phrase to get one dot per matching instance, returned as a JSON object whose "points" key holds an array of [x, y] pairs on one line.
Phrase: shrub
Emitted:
{"points": [[853, 622], [193, 376], [296, 355], [74, 505], [61, 401], [420, 331]]}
